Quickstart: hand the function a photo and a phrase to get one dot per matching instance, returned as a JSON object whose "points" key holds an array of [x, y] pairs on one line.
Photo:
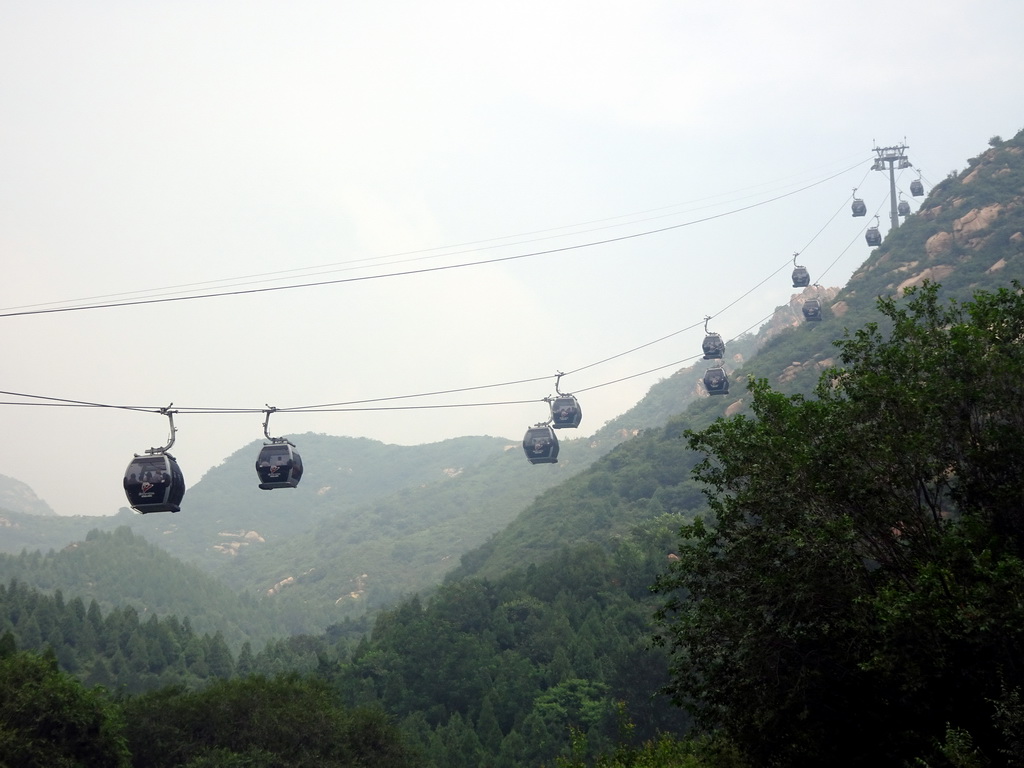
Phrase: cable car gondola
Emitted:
{"points": [[801, 277], [713, 345], [541, 445], [873, 236], [153, 482], [279, 464], [858, 206], [565, 412], [565, 409], [812, 310], [916, 188], [716, 381], [903, 209]]}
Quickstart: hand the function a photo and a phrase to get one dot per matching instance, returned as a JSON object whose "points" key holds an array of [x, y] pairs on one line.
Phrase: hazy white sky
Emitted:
{"points": [[216, 144]]}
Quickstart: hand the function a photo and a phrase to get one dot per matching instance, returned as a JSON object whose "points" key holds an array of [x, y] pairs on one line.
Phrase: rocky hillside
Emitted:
{"points": [[968, 234]]}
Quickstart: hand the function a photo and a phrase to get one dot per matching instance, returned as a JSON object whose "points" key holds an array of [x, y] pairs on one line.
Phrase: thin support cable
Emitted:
{"points": [[425, 270]]}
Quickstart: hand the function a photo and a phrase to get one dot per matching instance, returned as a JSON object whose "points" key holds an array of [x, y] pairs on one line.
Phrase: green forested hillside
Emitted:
{"points": [[367, 557], [119, 649], [121, 570], [130, 649], [502, 669]]}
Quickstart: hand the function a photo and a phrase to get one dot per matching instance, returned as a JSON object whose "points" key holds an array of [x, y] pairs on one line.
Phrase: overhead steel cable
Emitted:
{"points": [[360, 405], [424, 270], [364, 404], [636, 375], [326, 269], [349, 405], [842, 253], [426, 407], [351, 264], [634, 349], [676, 333], [67, 402], [345, 406], [309, 408]]}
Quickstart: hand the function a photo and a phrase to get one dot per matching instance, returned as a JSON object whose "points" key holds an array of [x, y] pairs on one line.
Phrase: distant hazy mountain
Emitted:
{"points": [[15, 496]]}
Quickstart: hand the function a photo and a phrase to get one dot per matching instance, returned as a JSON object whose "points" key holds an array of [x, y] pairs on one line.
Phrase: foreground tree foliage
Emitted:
{"points": [[859, 595], [50, 720]]}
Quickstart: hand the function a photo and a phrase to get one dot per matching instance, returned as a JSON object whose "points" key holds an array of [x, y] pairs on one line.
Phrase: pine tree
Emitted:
{"points": [[487, 728]]}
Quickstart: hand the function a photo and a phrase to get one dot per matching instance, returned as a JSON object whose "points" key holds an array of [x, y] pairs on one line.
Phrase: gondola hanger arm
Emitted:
{"points": [[170, 441], [558, 380], [266, 427]]}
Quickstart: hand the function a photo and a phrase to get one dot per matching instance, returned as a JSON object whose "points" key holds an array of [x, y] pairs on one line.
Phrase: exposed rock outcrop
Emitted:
{"points": [[936, 274], [939, 244], [975, 220]]}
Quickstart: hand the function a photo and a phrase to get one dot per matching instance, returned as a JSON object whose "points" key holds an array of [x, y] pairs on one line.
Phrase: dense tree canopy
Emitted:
{"points": [[50, 720], [267, 723], [858, 596]]}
